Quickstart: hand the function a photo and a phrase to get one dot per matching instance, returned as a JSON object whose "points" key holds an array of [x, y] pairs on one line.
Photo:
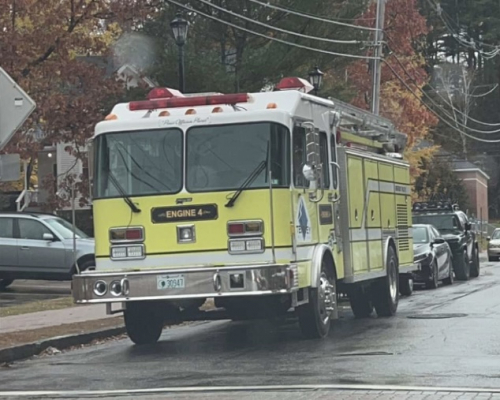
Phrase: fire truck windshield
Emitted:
{"points": [[223, 157], [141, 162]]}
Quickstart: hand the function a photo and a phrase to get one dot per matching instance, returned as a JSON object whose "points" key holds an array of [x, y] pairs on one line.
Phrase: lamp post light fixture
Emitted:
{"points": [[316, 79], [180, 29]]}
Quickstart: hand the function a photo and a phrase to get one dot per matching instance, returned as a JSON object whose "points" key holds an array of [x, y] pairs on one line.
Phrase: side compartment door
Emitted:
{"points": [[8, 246], [372, 215], [356, 204]]}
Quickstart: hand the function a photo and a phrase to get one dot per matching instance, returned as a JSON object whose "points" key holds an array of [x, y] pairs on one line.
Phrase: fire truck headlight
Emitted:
{"points": [[237, 246]]}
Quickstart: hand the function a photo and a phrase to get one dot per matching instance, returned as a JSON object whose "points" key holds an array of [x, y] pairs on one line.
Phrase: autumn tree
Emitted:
{"points": [[42, 46], [405, 34]]}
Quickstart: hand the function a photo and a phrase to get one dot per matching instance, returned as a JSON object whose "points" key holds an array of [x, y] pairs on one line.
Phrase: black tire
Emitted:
{"points": [[433, 282], [462, 267], [315, 316], [5, 283], [449, 281], [361, 302], [386, 290], [87, 265], [144, 321], [405, 285], [476, 266]]}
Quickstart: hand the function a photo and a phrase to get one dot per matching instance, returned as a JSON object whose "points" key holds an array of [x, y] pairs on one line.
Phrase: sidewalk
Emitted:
{"points": [[53, 318], [26, 335]]}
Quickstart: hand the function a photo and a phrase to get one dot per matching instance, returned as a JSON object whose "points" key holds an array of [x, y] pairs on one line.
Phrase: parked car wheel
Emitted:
{"points": [[476, 268], [433, 282], [450, 279], [4, 283], [462, 268]]}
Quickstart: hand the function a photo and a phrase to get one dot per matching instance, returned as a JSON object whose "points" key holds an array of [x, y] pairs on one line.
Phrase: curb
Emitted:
{"points": [[24, 351]]}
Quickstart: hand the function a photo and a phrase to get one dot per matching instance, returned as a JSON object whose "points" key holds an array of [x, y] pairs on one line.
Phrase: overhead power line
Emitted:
{"points": [[312, 16], [432, 111], [438, 105], [253, 21], [269, 37], [454, 108]]}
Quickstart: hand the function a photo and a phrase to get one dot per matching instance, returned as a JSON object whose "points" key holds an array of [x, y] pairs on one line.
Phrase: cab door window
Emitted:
{"points": [[299, 157], [323, 144]]}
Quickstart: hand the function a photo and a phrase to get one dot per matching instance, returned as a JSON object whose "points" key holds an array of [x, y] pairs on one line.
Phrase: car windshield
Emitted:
{"points": [[420, 235], [223, 157], [140, 162], [64, 228], [441, 222], [496, 235]]}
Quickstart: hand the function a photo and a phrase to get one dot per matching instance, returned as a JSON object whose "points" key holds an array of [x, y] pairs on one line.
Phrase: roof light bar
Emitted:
{"points": [[163, 93], [178, 102], [294, 83]]}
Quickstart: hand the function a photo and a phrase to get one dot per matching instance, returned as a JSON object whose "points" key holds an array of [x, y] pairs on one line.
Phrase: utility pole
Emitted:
{"points": [[377, 63]]}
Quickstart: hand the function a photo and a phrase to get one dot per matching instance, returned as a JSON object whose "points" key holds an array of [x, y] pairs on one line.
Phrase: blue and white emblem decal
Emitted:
{"points": [[303, 223]]}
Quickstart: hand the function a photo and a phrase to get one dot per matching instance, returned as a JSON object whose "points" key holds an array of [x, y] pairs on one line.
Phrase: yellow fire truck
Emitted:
{"points": [[269, 203]]}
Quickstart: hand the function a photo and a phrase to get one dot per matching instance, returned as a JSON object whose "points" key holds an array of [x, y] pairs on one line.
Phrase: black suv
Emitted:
{"points": [[455, 228]]}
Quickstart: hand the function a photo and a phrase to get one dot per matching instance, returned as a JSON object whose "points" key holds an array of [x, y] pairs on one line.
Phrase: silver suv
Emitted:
{"points": [[40, 246]]}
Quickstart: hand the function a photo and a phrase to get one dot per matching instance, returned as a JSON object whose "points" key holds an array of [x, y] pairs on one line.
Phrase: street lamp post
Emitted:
{"points": [[316, 78], [180, 28]]}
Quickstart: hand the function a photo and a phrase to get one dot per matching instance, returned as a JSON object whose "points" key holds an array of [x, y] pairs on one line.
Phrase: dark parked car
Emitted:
{"points": [[454, 227], [432, 257]]}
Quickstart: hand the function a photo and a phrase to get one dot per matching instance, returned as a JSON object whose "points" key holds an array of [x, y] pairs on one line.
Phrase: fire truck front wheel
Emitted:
{"points": [[144, 321], [315, 317], [386, 290]]}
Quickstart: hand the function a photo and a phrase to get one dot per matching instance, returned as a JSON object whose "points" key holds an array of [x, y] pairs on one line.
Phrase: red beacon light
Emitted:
{"points": [[179, 102], [294, 83], [163, 93]]}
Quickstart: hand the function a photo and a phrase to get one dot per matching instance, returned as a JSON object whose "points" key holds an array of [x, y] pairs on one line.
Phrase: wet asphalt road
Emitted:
{"points": [[414, 348], [25, 291]]}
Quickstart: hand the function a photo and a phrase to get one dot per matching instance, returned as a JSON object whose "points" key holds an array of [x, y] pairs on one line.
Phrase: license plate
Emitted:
{"points": [[165, 282]]}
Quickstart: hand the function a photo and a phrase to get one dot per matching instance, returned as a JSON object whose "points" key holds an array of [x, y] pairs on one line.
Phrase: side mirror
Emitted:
{"points": [[439, 241], [488, 238], [309, 173], [49, 237], [468, 226]]}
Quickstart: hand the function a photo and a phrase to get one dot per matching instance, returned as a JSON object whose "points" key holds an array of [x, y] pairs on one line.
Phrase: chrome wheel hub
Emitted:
{"points": [[393, 287], [327, 298]]}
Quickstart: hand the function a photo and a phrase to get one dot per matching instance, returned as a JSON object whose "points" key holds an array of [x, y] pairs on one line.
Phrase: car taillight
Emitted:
{"points": [[245, 228], [134, 234]]}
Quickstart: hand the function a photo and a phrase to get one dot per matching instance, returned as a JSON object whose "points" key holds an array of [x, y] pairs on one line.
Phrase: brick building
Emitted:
{"points": [[475, 181]]}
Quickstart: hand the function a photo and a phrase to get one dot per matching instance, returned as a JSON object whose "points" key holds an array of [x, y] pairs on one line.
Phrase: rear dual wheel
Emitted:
{"points": [[383, 295]]}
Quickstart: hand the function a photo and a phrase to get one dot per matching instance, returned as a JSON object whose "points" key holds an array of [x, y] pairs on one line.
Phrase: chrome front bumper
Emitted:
{"points": [[202, 282]]}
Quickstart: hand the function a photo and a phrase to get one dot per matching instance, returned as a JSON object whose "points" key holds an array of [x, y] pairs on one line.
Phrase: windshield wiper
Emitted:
{"points": [[255, 173], [119, 187]]}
